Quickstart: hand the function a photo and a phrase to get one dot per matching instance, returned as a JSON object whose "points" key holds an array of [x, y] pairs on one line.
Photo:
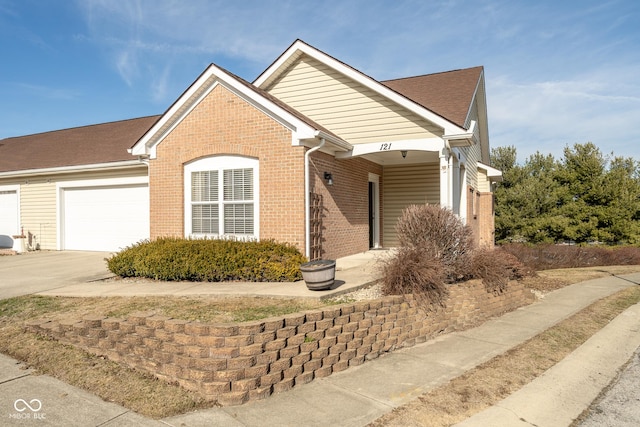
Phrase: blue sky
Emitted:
{"points": [[557, 72]]}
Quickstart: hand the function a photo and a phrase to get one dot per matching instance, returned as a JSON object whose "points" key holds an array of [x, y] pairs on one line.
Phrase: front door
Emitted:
{"points": [[371, 214]]}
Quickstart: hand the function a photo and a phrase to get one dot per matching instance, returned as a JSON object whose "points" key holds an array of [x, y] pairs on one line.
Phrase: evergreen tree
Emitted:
{"points": [[584, 197]]}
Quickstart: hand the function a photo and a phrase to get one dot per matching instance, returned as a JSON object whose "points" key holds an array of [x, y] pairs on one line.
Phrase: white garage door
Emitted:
{"points": [[9, 221], [105, 218]]}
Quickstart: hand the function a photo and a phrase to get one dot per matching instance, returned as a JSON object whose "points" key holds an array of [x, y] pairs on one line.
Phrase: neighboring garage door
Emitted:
{"points": [[9, 221], [105, 218]]}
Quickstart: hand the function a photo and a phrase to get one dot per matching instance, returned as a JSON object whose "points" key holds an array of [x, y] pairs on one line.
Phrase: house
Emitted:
{"points": [[313, 152]]}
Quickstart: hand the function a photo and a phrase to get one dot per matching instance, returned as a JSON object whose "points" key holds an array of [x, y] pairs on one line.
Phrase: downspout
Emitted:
{"points": [[307, 201]]}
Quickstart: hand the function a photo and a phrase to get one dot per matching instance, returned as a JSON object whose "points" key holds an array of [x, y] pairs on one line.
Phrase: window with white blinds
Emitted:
{"points": [[222, 198], [238, 189], [204, 200]]}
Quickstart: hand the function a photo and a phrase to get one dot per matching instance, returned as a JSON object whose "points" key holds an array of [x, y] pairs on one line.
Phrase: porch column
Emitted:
{"points": [[445, 179]]}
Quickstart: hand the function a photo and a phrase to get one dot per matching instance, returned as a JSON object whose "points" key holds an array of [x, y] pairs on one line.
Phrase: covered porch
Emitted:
{"points": [[423, 171]]}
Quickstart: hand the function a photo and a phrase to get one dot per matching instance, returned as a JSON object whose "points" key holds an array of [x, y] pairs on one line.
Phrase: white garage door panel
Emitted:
{"points": [[9, 221], [105, 218]]}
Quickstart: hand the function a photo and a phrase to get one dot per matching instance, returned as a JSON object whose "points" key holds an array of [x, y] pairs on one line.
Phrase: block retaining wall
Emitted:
{"points": [[235, 363]]}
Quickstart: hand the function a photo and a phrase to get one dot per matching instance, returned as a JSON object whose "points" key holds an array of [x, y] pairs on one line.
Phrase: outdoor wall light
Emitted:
{"points": [[404, 154], [329, 178]]}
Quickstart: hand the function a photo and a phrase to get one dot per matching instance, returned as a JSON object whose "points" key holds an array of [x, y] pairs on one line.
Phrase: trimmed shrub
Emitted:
{"points": [[205, 260], [496, 268], [411, 271], [437, 233]]}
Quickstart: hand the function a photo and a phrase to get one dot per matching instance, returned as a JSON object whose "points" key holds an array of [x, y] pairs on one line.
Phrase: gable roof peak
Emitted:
{"points": [[299, 48]]}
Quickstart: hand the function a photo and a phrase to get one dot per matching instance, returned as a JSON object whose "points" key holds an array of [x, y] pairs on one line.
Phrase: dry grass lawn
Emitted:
{"points": [[496, 379], [146, 395]]}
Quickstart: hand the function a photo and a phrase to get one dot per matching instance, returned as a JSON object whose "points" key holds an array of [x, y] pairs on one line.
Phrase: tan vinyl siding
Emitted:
{"points": [[403, 186], [38, 199], [483, 182], [354, 112], [38, 212], [473, 155]]}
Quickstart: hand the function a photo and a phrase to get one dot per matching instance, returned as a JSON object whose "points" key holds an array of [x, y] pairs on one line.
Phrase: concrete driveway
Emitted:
{"points": [[47, 270]]}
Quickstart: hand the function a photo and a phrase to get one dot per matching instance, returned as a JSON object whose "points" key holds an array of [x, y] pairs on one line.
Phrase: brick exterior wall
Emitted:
{"points": [[224, 124], [487, 235], [345, 219], [232, 364]]}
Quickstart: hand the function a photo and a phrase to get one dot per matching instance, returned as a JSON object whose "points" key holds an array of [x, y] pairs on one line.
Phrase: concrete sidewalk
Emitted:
{"points": [[361, 394], [560, 395]]}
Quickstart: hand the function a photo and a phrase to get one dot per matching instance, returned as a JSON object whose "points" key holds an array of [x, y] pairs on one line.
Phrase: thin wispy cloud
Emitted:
{"points": [[556, 72], [46, 92]]}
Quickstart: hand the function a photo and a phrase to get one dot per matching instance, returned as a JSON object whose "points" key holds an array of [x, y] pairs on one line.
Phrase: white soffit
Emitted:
{"points": [[492, 173]]}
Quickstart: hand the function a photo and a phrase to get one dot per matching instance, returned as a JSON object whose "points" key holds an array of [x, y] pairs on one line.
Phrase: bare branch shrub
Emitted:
{"points": [[412, 271], [437, 233], [496, 267]]}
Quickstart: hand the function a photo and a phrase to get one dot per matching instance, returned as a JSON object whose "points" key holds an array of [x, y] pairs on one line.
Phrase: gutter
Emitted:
{"points": [[307, 198], [462, 139], [69, 169]]}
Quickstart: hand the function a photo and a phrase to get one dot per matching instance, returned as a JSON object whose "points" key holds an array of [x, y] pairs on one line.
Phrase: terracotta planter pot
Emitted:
{"points": [[319, 275]]}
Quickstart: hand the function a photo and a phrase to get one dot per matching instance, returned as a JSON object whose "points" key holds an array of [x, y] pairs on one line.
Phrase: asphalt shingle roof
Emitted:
{"points": [[448, 94], [86, 145]]}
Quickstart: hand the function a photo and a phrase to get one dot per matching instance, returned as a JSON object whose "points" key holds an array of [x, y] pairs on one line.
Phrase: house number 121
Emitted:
{"points": [[385, 147]]}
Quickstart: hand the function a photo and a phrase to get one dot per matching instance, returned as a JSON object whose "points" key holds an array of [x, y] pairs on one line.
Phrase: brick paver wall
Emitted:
{"points": [[232, 364]]}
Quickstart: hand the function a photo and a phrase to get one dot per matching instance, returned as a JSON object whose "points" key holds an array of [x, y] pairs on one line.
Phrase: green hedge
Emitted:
{"points": [[209, 260]]}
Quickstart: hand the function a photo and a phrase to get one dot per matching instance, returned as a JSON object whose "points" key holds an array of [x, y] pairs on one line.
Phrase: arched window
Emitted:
{"points": [[221, 197]]}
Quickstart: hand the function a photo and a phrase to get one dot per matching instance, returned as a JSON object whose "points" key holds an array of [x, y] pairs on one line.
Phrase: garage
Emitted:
{"points": [[105, 218], [9, 212]]}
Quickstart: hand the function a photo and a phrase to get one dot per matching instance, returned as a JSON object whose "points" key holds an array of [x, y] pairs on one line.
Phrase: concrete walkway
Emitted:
{"points": [[361, 394]]}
